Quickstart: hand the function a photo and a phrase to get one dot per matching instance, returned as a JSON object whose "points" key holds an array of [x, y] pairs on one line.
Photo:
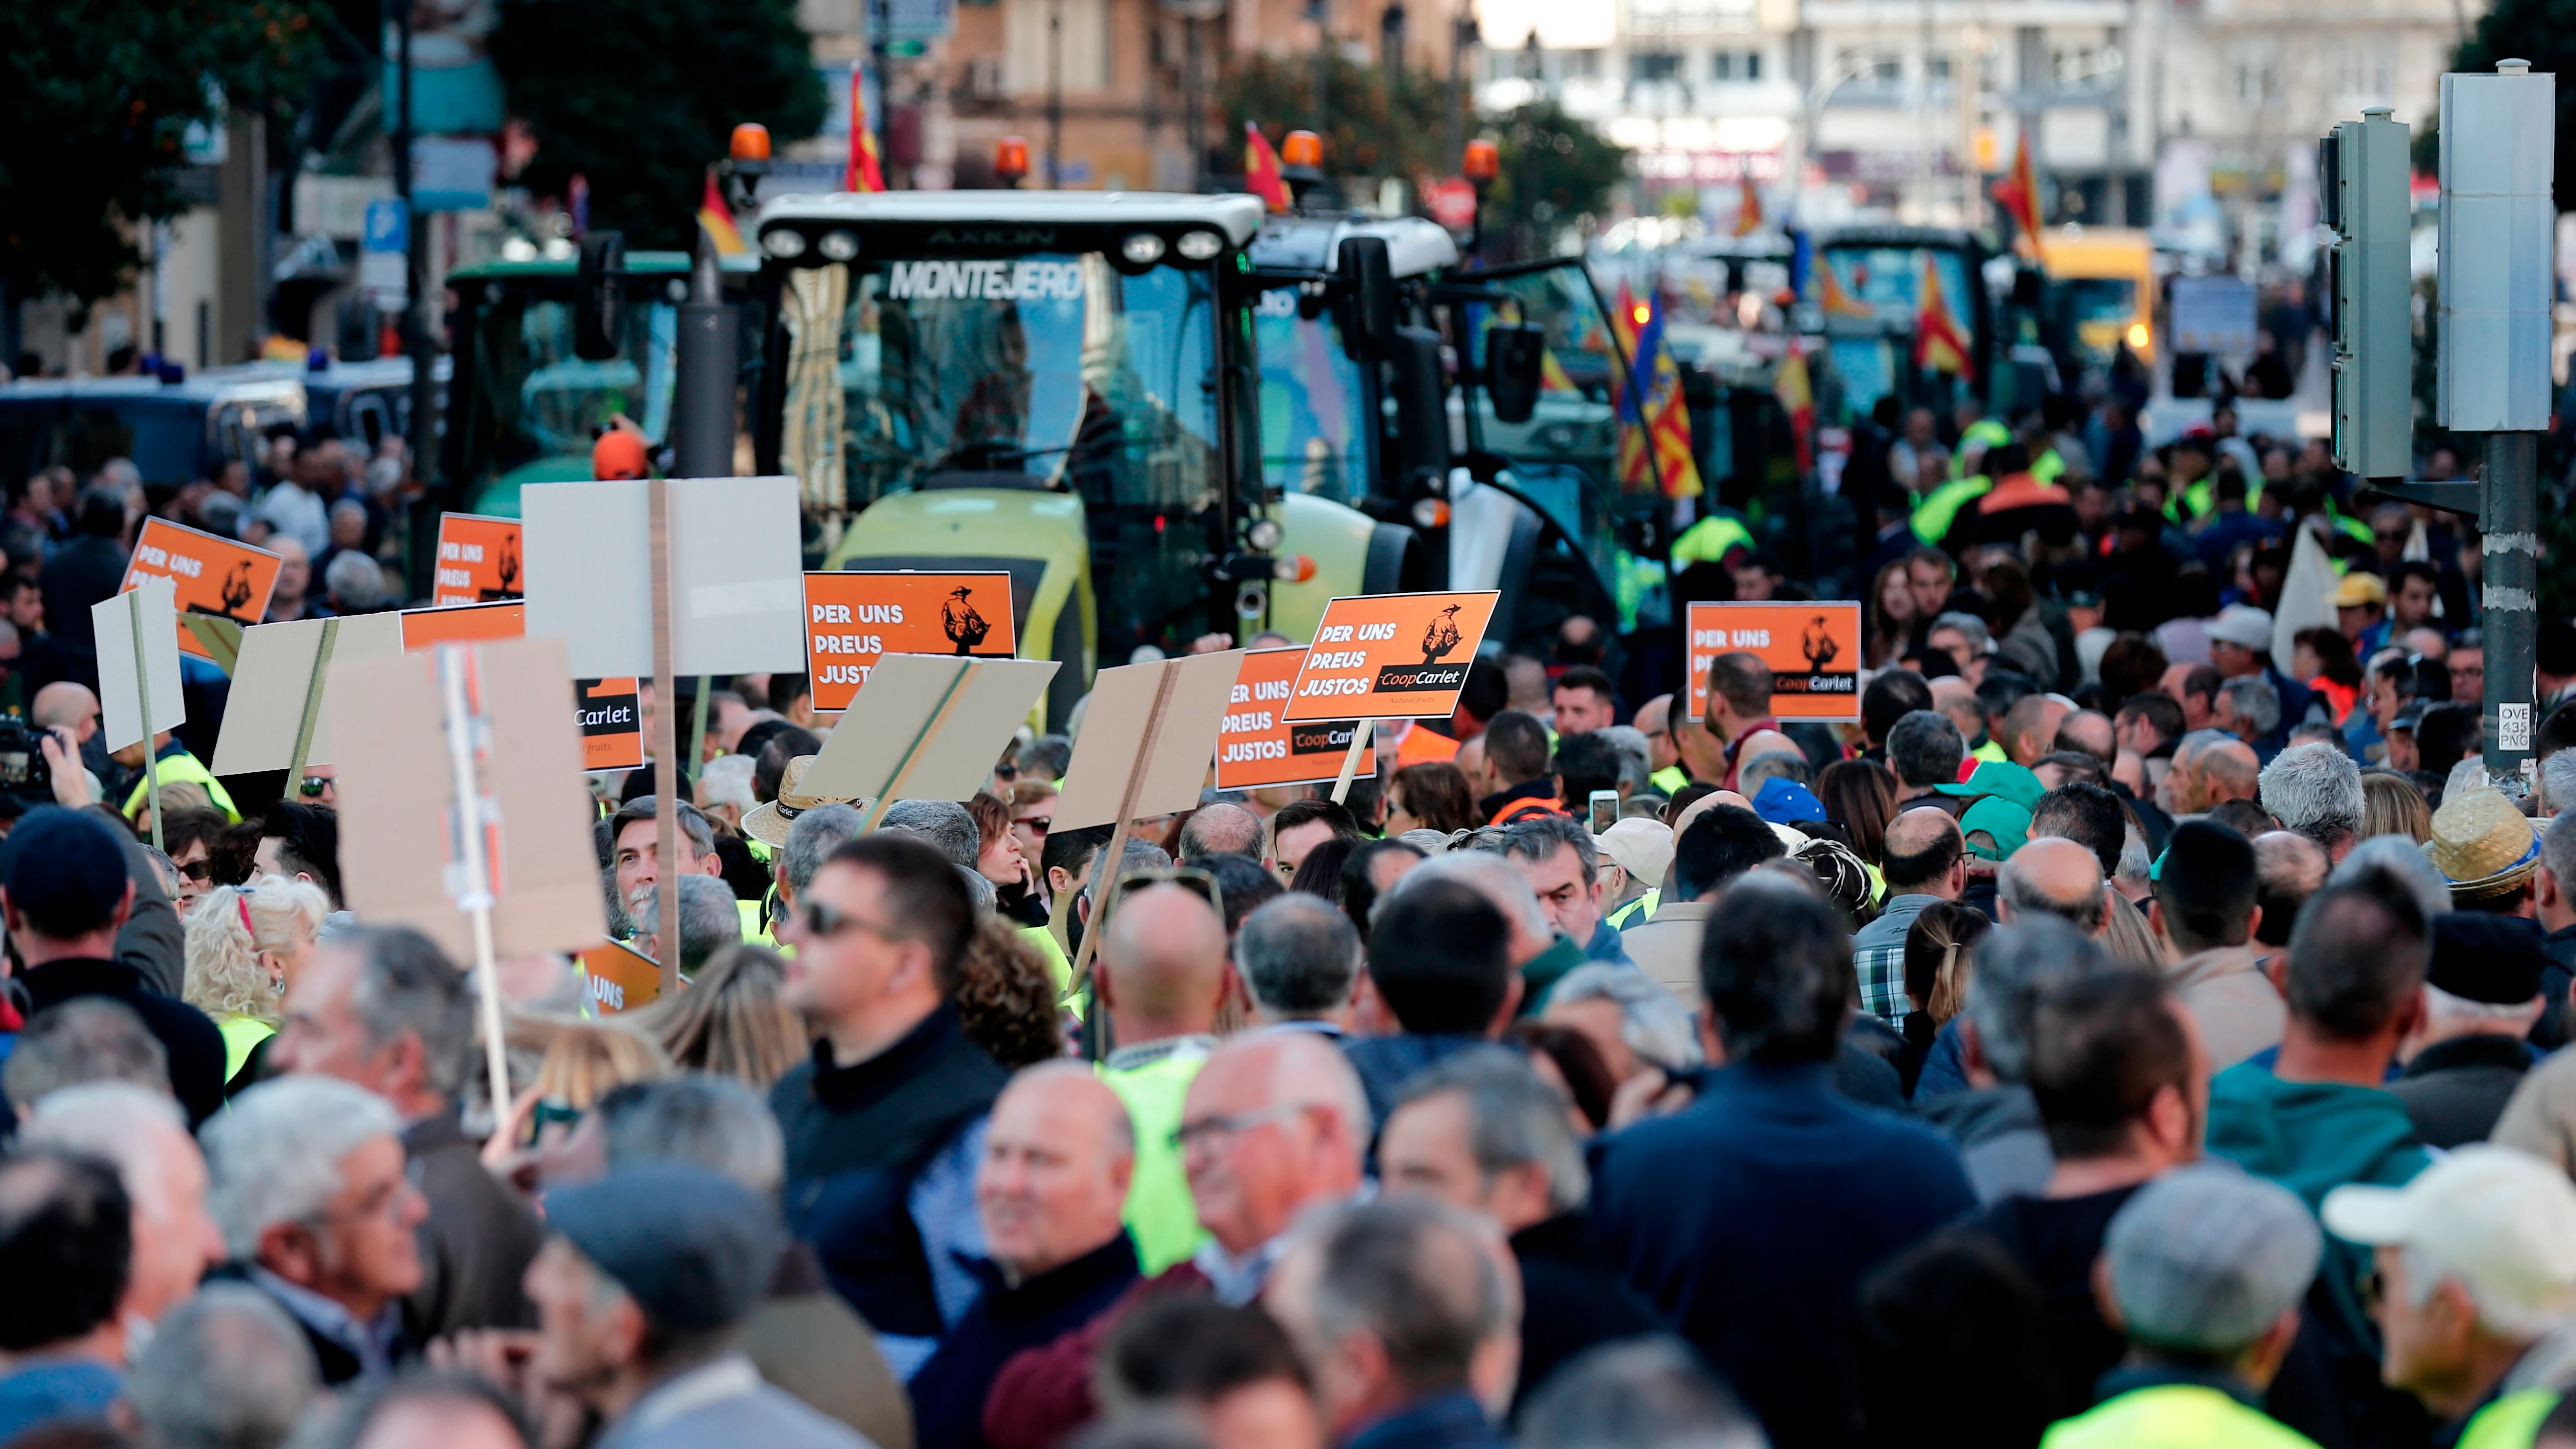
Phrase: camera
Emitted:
{"points": [[23, 771]]}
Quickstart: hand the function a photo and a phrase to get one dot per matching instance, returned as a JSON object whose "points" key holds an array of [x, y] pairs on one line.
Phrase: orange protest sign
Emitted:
{"points": [[1256, 746], [612, 717], [462, 624], [851, 619], [617, 977], [612, 725], [210, 575], [478, 560], [1812, 649], [1391, 656]]}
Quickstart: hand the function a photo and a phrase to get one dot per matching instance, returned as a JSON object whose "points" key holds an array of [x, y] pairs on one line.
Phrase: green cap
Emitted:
{"points": [[1999, 777], [2002, 821]]}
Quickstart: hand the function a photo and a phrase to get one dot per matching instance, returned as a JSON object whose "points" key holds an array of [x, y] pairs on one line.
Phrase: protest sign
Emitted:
{"points": [[853, 618], [133, 683], [273, 716], [927, 727], [617, 977], [612, 720], [1257, 747], [736, 559], [478, 560], [1391, 656], [1145, 739], [1812, 649], [462, 624], [208, 575], [398, 799]]}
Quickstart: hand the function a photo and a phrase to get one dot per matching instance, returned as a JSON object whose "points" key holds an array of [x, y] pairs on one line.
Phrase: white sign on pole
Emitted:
{"points": [[121, 690], [737, 575], [384, 255]]}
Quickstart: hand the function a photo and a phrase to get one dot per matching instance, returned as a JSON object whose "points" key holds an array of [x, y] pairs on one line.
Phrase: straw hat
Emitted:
{"points": [[768, 823], [2482, 845]]}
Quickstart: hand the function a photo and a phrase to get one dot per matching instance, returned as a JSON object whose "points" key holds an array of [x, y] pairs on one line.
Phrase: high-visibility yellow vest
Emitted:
{"points": [[242, 1036], [1940, 507], [1710, 539], [2511, 1422], [183, 768], [1160, 1214]]}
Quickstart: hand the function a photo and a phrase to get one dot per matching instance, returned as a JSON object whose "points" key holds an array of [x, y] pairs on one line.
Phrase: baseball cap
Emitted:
{"points": [[2000, 777], [694, 1250], [2501, 1221], [1783, 801], [64, 869], [2359, 589], [2242, 625], [2204, 1259], [1643, 848], [2489, 958], [1999, 820]]}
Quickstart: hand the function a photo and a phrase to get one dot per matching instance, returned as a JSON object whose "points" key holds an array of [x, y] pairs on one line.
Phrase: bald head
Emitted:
{"points": [[1163, 964], [1957, 699], [1655, 715], [2030, 728], [64, 703], [2228, 771], [2054, 877], [2089, 731], [1307, 1132], [1220, 829], [1922, 851], [1059, 1154], [2288, 868]]}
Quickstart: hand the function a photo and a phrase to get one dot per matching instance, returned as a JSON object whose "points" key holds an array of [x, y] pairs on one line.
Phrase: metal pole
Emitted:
{"points": [[709, 344], [1197, 87], [1055, 95], [422, 437], [2510, 577], [881, 20], [666, 747]]}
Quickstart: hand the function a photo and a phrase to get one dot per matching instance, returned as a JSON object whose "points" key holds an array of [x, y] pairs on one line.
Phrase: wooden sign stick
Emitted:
{"points": [[1104, 893], [912, 753], [666, 744], [1360, 733], [312, 704]]}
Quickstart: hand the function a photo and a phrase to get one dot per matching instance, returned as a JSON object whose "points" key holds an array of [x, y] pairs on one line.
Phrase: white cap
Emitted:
{"points": [[1644, 848], [2501, 1221], [2244, 626]]}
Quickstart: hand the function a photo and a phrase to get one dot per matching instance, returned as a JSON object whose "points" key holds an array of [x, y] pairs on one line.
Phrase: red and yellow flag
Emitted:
{"points": [[2018, 195], [717, 218], [1798, 399], [1833, 300], [1261, 174], [1940, 342], [864, 171], [1748, 212], [1654, 431]]}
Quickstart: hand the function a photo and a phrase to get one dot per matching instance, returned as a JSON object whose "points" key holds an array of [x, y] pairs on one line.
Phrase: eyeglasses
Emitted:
{"points": [[1033, 824], [822, 921], [1189, 877], [312, 786], [196, 870], [1212, 1130], [1006, 770]]}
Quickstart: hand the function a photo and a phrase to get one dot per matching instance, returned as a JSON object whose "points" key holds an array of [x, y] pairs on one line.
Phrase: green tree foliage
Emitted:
{"points": [[639, 96], [1375, 125], [1554, 168], [95, 99]]}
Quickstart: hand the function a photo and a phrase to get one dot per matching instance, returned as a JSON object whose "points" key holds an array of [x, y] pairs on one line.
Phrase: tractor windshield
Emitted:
{"points": [[1051, 371], [1313, 427]]}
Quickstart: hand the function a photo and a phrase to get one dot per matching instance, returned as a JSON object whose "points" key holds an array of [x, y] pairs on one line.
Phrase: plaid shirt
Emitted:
{"points": [[1878, 958]]}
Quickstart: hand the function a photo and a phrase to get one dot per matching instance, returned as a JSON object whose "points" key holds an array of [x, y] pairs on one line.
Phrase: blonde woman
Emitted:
{"points": [[245, 945]]}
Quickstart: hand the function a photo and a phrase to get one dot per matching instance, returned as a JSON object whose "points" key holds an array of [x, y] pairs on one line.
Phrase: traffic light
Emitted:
{"points": [[2364, 188]]}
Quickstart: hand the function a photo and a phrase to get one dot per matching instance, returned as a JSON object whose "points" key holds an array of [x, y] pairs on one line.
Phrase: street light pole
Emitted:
{"points": [[1055, 95], [880, 21]]}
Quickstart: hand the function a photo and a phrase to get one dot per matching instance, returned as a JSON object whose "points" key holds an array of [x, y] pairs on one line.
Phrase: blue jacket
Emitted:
{"points": [[1453, 1420], [1750, 1218]]}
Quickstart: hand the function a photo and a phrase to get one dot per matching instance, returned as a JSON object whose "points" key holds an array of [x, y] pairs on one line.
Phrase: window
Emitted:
{"points": [[2359, 67], [1030, 50], [1582, 65], [1654, 67], [1721, 66], [2254, 72], [1735, 65]]}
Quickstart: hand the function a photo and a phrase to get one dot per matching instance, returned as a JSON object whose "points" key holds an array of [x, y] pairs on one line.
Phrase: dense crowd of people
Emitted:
{"points": [[2119, 1035]]}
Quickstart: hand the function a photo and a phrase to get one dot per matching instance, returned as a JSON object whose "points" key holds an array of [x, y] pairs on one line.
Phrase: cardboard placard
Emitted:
{"points": [[1114, 744], [616, 977], [121, 688], [1391, 656], [1257, 747], [478, 560], [210, 575], [736, 561], [612, 718], [612, 724], [1813, 650], [927, 727], [274, 680], [396, 794], [851, 619]]}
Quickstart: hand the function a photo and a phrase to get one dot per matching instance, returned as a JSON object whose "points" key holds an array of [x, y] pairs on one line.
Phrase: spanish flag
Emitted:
{"points": [[2018, 195], [1940, 342], [864, 172], [717, 218], [1836, 302], [1261, 174], [1798, 400], [1654, 432]]}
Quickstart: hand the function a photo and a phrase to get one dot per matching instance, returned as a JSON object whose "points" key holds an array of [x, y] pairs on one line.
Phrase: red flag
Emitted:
{"points": [[862, 173], [1940, 343], [1748, 211], [717, 218], [1261, 174], [2018, 195]]}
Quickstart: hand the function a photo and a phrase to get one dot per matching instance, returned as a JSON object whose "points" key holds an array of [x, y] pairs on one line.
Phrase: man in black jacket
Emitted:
{"points": [[66, 894], [885, 1125], [2481, 996], [1480, 1131]]}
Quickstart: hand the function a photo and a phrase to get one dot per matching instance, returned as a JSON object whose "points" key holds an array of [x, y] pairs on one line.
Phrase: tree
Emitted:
{"points": [[1554, 169], [1375, 125], [96, 97], [639, 96]]}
